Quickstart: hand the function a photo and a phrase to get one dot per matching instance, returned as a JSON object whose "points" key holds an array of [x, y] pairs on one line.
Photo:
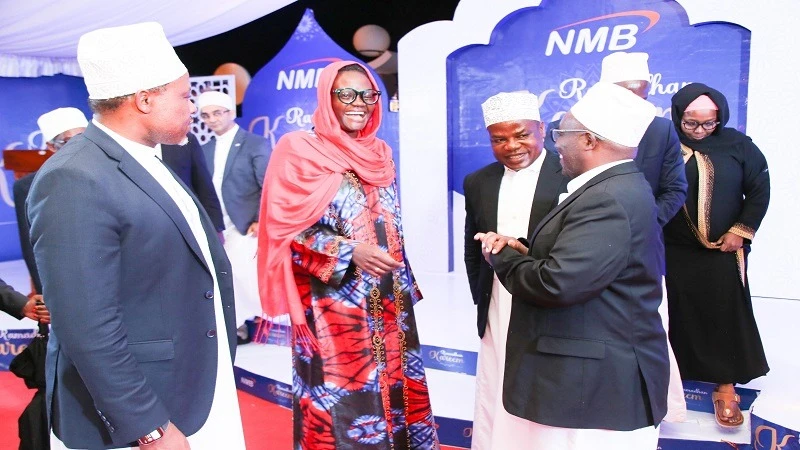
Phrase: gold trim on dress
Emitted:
{"points": [[743, 231], [705, 192]]}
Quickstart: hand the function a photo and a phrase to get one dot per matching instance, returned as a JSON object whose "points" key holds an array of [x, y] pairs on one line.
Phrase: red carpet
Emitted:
{"points": [[266, 425], [14, 397]]}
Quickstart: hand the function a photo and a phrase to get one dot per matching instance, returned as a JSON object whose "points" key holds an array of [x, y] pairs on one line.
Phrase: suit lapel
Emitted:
{"points": [[621, 169], [142, 178], [491, 195], [208, 152], [154, 190], [236, 145], [550, 184]]}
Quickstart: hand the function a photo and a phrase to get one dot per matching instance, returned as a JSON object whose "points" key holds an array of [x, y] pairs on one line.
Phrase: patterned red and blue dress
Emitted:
{"points": [[364, 388]]}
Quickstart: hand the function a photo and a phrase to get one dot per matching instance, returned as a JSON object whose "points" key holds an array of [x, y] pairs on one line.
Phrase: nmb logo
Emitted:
{"points": [[585, 40], [302, 78]]}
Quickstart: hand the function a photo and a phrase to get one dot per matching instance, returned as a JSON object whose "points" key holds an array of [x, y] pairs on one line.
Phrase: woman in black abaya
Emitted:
{"points": [[712, 327]]}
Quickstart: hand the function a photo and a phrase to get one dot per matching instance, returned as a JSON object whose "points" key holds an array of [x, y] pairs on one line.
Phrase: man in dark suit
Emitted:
{"points": [[58, 127], [189, 164], [136, 281], [586, 357], [509, 196], [237, 160], [659, 152], [659, 158]]}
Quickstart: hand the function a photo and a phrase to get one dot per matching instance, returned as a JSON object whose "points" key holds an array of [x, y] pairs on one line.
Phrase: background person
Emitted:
{"points": [[713, 330], [58, 127], [237, 160]]}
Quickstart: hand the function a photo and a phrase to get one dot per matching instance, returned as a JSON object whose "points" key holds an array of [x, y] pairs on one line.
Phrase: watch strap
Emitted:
{"points": [[154, 435]]}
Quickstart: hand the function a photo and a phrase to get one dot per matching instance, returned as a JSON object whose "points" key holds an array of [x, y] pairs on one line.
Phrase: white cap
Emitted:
{"points": [[623, 66], [60, 120], [215, 98], [123, 60], [614, 113], [510, 106]]}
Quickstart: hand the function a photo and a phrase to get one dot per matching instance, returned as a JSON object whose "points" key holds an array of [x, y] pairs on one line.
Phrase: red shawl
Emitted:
{"points": [[304, 173]]}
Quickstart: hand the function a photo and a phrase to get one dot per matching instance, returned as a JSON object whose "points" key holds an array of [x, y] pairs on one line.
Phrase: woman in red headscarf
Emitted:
{"points": [[331, 255]]}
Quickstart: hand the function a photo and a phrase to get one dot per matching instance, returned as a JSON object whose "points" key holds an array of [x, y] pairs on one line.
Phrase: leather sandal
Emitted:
{"points": [[725, 415]]}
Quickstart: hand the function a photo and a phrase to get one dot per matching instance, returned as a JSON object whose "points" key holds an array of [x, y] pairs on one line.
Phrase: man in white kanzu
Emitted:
{"points": [[138, 285], [237, 160], [509, 196]]}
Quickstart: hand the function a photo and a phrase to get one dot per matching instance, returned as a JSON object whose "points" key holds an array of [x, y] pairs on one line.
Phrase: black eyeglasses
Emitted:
{"points": [[555, 133], [217, 113], [349, 95], [692, 125]]}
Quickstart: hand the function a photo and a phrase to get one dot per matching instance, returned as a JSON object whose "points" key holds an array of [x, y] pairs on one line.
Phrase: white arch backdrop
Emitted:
{"points": [[771, 105]]}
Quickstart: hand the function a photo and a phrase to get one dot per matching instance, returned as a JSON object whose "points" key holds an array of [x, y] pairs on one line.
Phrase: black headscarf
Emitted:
{"points": [[721, 137]]}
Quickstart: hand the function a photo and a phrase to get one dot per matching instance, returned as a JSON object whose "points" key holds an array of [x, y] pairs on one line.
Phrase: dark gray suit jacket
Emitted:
{"points": [[11, 301], [243, 177], [21, 189], [481, 191], [133, 340], [659, 159], [586, 347], [189, 164]]}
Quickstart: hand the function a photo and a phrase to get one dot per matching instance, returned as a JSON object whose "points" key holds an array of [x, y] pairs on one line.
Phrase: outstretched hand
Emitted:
{"points": [[492, 243], [373, 260]]}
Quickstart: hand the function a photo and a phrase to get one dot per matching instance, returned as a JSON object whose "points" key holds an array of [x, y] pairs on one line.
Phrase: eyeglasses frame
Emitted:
{"points": [[338, 91]]}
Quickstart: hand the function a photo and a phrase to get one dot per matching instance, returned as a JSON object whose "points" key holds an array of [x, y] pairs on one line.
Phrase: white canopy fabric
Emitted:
{"points": [[40, 37]]}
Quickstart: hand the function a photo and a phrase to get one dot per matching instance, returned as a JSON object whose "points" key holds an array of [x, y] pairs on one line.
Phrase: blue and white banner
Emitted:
{"points": [[555, 51], [449, 359], [283, 94], [263, 387], [771, 436], [685, 444], [12, 343]]}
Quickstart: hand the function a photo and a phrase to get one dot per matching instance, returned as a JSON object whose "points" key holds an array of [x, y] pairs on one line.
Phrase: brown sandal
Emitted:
{"points": [[725, 415]]}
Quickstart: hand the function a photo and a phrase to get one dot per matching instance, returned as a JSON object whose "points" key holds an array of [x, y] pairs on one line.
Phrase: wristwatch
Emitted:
{"points": [[154, 435]]}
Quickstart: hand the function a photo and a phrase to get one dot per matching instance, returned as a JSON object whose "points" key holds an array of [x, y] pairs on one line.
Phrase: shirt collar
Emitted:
{"points": [[583, 178], [134, 148], [228, 135]]}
